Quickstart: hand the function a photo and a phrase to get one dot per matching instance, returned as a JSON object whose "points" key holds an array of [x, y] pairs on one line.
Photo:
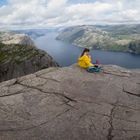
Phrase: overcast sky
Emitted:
{"points": [[54, 13]]}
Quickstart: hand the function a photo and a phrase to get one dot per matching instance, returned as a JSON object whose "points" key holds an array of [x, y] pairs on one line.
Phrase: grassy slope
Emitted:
{"points": [[17, 53]]}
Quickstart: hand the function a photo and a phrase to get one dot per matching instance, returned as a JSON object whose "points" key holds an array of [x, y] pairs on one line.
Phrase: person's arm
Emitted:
{"points": [[88, 61]]}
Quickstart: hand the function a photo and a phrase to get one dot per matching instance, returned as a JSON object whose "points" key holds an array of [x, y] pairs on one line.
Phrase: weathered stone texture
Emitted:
{"points": [[71, 104]]}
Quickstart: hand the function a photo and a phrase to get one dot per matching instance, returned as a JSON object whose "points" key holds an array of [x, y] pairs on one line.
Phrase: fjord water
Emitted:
{"points": [[66, 54]]}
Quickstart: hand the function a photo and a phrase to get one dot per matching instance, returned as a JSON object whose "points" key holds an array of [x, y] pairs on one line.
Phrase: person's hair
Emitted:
{"points": [[85, 50]]}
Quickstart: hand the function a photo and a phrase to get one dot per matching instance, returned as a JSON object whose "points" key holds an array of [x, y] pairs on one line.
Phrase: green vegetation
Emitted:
{"points": [[134, 47], [18, 53]]}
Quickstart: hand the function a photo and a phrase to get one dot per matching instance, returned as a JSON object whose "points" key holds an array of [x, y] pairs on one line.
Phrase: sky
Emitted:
{"points": [[58, 13]]}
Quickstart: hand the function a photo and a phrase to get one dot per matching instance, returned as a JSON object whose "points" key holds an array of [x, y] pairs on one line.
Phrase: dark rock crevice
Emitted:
{"points": [[130, 93], [115, 74], [36, 126], [12, 94], [48, 92], [111, 128]]}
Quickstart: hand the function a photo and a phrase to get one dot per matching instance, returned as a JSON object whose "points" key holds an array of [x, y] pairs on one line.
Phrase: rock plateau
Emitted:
{"points": [[71, 104]]}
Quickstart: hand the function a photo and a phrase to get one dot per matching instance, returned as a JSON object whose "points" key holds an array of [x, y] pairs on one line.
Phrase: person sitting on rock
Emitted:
{"points": [[84, 61]]}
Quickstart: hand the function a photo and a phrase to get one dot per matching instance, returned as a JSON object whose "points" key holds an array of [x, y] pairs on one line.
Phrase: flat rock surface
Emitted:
{"points": [[71, 104]]}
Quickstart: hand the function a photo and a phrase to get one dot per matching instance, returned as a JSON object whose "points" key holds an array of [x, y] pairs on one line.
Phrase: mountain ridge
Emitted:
{"points": [[111, 38]]}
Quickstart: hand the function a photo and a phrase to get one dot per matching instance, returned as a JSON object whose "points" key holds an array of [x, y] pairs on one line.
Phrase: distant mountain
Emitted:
{"points": [[113, 38], [121, 29], [19, 56], [34, 33]]}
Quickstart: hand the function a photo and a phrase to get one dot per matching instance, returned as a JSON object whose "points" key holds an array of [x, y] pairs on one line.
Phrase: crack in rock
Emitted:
{"points": [[116, 74], [130, 93], [111, 128], [16, 93], [56, 93], [32, 87], [34, 126], [47, 78]]}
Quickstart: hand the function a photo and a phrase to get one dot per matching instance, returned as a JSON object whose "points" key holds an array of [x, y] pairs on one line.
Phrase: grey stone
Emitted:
{"points": [[71, 104]]}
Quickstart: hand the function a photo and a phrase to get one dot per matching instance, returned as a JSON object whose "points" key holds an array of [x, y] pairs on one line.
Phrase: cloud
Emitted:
{"points": [[90, 11], [52, 13]]}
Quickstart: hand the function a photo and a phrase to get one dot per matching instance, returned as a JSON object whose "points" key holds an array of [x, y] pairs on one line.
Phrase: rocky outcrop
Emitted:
{"points": [[71, 104], [121, 38], [13, 38], [19, 56]]}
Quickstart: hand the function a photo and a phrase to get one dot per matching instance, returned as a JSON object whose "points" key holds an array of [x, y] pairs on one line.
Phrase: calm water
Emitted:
{"points": [[66, 54]]}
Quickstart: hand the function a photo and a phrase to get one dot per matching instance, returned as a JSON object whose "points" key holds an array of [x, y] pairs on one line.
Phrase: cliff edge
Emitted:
{"points": [[71, 104], [19, 56]]}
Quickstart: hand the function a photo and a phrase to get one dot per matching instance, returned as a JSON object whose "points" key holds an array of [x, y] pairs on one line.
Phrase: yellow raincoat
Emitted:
{"points": [[85, 61]]}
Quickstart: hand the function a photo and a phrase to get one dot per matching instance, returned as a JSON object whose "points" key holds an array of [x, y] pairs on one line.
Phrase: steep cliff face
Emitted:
{"points": [[19, 56], [71, 104]]}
